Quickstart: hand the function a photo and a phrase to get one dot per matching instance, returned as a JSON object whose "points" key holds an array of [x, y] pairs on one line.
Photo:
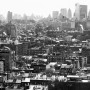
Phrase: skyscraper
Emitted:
{"points": [[77, 13], [55, 14], [64, 12], [10, 30], [9, 16], [83, 12], [69, 13], [80, 12], [89, 15]]}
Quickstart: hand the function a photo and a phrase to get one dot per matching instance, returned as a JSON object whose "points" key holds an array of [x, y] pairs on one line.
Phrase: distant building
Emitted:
{"points": [[80, 12], [64, 12], [69, 13], [32, 16], [89, 15], [77, 11], [55, 14], [83, 12], [16, 16], [10, 30], [25, 17], [7, 55], [9, 16], [72, 24], [49, 16], [2, 17]]}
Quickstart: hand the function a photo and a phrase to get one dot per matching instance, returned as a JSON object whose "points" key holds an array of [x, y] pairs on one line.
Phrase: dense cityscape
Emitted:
{"points": [[46, 53]]}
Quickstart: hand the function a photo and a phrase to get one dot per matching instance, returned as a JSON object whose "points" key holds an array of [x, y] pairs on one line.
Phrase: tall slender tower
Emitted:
{"points": [[77, 11], [89, 15], [9, 16], [69, 13]]}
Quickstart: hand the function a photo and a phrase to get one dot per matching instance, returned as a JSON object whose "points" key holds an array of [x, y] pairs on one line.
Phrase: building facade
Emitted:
{"points": [[69, 13], [55, 14], [83, 12], [64, 12], [9, 16], [80, 12]]}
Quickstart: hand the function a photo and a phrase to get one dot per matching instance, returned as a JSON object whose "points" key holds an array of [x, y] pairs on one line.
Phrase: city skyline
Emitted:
{"points": [[39, 7]]}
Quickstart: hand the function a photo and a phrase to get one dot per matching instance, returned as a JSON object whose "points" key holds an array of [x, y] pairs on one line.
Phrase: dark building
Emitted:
{"points": [[22, 48], [10, 30], [6, 54], [36, 51]]}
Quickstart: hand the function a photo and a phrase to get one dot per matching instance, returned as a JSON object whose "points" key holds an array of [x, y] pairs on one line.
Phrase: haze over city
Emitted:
{"points": [[38, 7], [44, 45]]}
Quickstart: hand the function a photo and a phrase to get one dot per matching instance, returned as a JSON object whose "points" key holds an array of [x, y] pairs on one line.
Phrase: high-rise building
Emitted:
{"points": [[77, 12], [88, 15], [55, 14], [10, 30], [80, 12], [6, 54], [83, 12], [9, 16], [64, 12], [69, 13]]}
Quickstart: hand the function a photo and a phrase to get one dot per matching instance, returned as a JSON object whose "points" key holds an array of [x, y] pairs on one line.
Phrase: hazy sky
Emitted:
{"points": [[38, 7]]}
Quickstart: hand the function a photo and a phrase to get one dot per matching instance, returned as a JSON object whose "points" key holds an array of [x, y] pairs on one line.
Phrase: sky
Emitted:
{"points": [[38, 7]]}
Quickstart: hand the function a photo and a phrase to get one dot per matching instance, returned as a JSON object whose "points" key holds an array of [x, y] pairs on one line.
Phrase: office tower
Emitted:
{"points": [[9, 16], [10, 30], [89, 15], [64, 12], [55, 14], [77, 13], [80, 12], [69, 13], [83, 12]]}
